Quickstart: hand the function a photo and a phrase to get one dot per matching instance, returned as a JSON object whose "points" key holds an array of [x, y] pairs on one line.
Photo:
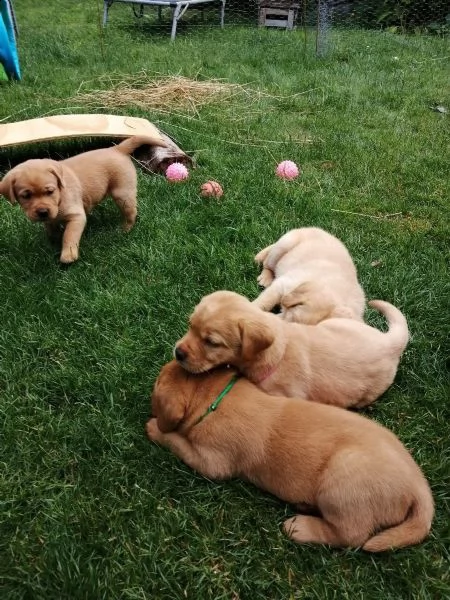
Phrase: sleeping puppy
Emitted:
{"points": [[311, 275], [61, 193], [339, 361], [356, 475]]}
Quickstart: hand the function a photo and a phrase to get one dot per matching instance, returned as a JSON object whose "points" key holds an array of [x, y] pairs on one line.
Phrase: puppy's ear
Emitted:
{"points": [[57, 170], [298, 295], [7, 188], [341, 312], [313, 303], [256, 336]]}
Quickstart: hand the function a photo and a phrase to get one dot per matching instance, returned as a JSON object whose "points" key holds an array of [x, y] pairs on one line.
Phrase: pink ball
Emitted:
{"points": [[177, 172], [287, 170]]}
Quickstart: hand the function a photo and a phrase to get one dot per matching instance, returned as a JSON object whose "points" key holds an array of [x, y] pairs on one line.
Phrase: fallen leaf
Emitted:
{"points": [[440, 109], [328, 164]]}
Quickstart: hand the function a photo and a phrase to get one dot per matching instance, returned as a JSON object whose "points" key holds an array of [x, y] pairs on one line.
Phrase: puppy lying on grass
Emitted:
{"points": [[311, 275], [340, 361], [354, 474], [61, 193]]}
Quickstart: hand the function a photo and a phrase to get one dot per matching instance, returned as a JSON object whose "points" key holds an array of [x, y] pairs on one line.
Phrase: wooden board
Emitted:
{"points": [[70, 126]]}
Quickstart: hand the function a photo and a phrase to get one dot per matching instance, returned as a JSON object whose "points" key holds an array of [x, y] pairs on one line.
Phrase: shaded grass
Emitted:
{"points": [[90, 509]]}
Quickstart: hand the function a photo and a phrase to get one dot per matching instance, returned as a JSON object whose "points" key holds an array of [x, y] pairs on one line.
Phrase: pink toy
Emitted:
{"points": [[287, 170], [211, 188], [177, 172]]}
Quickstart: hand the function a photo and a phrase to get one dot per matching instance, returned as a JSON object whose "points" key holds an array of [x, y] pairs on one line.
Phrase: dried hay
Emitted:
{"points": [[173, 94], [178, 95]]}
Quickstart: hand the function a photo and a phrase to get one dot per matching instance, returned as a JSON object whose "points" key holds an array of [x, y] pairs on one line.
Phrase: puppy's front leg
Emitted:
{"points": [[175, 442], [263, 254], [71, 238], [209, 463], [265, 278], [269, 297]]}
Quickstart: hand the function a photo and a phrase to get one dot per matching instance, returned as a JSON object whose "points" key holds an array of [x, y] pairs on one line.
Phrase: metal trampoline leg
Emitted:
{"points": [[175, 17], [106, 5], [222, 14]]}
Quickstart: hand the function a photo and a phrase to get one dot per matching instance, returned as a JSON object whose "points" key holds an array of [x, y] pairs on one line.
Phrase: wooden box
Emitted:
{"points": [[278, 13]]}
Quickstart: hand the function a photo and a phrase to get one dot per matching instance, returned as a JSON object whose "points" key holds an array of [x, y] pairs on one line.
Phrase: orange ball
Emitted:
{"points": [[211, 188]]}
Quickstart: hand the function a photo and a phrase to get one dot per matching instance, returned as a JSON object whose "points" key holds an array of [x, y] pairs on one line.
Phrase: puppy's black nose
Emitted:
{"points": [[180, 354], [42, 213]]}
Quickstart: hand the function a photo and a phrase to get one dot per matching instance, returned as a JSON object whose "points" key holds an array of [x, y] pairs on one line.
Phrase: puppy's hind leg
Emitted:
{"points": [[271, 255], [284, 245], [311, 530], [266, 276], [125, 198], [345, 528]]}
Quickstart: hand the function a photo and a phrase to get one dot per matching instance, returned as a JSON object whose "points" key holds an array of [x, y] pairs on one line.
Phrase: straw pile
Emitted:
{"points": [[173, 94]]}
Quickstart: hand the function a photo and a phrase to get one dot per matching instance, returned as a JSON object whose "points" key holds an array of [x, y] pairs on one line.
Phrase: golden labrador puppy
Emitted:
{"points": [[61, 193], [311, 275], [357, 476], [339, 361]]}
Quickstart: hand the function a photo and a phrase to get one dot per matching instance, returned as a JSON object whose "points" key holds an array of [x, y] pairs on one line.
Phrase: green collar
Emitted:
{"points": [[212, 407]]}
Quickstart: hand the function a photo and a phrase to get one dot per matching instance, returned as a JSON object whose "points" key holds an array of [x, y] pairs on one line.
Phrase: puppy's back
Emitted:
{"points": [[101, 171], [318, 445], [306, 245]]}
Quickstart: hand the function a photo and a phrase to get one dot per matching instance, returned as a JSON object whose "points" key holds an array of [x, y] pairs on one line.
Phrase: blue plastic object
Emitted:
{"points": [[8, 48]]}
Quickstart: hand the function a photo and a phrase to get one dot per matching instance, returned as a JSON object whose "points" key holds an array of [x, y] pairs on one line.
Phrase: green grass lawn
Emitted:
{"points": [[89, 508]]}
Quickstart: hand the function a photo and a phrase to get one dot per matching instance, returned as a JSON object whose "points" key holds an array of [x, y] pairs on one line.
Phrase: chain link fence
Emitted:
{"points": [[430, 16], [316, 18]]}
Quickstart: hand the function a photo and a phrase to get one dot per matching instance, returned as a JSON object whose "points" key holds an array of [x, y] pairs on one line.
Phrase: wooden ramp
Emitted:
{"points": [[155, 157], [71, 126]]}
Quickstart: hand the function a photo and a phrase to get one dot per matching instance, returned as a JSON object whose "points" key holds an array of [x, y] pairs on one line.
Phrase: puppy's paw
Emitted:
{"points": [[127, 226], [129, 219], [152, 430], [265, 278], [297, 529], [307, 529], [69, 255], [262, 255]]}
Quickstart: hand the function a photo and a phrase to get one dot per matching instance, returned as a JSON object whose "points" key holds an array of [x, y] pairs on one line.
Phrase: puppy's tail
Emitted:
{"points": [[398, 333], [412, 531], [129, 145]]}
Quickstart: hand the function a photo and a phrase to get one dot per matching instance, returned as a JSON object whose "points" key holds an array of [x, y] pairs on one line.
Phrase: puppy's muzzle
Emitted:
{"points": [[42, 214], [180, 354]]}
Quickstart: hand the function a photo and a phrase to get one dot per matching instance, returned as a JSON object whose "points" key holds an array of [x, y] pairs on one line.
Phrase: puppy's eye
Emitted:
{"points": [[49, 192], [292, 305], [25, 195], [212, 342]]}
